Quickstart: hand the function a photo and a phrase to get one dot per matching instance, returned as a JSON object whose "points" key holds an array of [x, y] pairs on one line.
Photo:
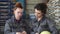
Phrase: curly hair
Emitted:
{"points": [[42, 7]]}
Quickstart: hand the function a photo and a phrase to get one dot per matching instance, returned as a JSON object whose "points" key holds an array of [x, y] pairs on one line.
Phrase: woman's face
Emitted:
{"points": [[38, 13], [18, 13]]}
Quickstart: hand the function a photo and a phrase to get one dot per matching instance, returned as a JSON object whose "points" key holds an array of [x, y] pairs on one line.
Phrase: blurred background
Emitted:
{"points": [[6, 7]]}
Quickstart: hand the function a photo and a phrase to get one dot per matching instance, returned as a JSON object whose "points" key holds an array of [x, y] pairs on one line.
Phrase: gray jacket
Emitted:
{"points": [[45, 24], [12, 26]]}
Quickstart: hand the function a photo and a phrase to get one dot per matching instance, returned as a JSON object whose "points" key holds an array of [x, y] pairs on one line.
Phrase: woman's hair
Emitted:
{"points": [[42, 7], [18, 5]]}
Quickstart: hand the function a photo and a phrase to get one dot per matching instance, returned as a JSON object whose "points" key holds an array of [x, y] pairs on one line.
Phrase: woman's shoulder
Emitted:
{"points": [[49, 20]]}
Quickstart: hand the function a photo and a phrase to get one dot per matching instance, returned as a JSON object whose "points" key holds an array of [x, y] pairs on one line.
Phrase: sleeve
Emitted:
{"points": [[52, 27], [7, 29]]}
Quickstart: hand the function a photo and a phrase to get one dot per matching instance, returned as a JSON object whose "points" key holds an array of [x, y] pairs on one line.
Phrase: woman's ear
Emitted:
{"points": [[13, 12]]}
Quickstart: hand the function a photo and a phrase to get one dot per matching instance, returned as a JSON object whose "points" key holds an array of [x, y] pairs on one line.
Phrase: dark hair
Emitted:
{"points": [[18, 5], [42, 7], [47, 1]]}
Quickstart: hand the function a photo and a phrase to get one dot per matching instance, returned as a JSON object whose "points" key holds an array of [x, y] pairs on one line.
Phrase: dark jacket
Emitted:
{"points": [[45, 24], [12, 26]]}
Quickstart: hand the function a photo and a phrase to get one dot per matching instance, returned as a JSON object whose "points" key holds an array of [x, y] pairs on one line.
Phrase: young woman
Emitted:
{"points": [[41, 22]]}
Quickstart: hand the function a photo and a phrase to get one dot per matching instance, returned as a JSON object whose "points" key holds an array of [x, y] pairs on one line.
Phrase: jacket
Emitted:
{"points": [[12, 26], [45, 24]]}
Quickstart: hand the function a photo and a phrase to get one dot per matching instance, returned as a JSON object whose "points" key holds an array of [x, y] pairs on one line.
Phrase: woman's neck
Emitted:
{"points": [[17, 18], [39, 18]]}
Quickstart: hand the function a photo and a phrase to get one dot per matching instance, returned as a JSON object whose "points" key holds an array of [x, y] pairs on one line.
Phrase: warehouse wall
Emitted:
{"points": [[54, 11]]}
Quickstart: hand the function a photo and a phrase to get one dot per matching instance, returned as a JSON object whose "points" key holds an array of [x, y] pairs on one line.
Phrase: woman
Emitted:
{"points": [[41, 22], [17, 25]]}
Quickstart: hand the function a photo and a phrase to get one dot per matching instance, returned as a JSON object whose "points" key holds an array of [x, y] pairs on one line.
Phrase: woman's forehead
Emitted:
{"points": [[37, 10], [19, 9]]}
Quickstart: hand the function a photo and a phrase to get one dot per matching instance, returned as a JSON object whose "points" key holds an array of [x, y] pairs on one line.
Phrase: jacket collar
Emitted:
{"points": [[14, 20]]}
